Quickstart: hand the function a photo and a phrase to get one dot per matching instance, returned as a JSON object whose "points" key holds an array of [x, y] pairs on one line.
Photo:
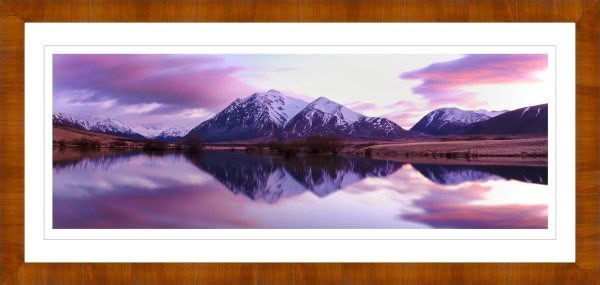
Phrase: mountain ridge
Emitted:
{"points": [[531, 120], [258, 115], [271, 115], [334, 119], [111, 126], [448, 121]]}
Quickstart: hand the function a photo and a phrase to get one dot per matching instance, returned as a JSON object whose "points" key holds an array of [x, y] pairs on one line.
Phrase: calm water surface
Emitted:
{"points": [[222, 189]]}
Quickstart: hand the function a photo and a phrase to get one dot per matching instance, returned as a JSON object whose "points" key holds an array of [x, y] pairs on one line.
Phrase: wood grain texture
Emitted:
{"points": [[13, 14], [248, 11], [50, 11]]}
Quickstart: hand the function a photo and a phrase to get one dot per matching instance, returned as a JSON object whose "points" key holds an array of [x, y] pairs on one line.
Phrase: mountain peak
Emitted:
{"points": [[454, 121], [324, 101], [447, 121], [270, 95], [271, 115], [331, 108], [456, 115], [326, 117], [262, 114]]}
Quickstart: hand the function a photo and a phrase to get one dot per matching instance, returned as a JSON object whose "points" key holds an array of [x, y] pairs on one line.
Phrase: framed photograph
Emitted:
{"points": [[297, 148]]}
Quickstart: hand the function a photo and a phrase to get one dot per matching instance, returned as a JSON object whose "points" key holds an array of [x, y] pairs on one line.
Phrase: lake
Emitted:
{"points": [[232, 189]]}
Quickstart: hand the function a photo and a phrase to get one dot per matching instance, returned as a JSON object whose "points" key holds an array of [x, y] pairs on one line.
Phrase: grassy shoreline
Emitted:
{"points": [[530, 150], [481, 149]]}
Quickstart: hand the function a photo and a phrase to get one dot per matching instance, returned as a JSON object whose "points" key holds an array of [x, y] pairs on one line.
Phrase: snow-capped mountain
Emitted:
{"points": [[448, 121], [119, 128], [261, 115], [532, 120], [72, 121], [171, 134], [149, 130], [114, 127], [490, 114], [107, 126], [159, 131], [322, 116], [271, 115], [325, 117]]}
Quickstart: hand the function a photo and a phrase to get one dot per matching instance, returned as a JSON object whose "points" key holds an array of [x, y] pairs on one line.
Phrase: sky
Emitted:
{"points": [[185, 90]]}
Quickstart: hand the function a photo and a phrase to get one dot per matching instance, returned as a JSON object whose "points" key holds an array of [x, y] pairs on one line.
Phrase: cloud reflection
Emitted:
{"points": [[137, 190]]}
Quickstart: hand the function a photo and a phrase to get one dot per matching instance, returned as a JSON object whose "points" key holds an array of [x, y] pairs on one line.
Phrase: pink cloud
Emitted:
{"points": [[452, 209], [176, 82], [478, 217], [358, 106], [442, 82]]}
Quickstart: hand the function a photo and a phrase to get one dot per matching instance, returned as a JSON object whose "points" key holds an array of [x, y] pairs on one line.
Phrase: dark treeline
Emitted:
{"points": [[310, 145], [317, 145], [194, 144]]}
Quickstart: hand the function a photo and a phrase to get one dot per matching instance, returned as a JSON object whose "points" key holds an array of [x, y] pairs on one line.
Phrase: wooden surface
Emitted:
{"points": [[13, 13]]}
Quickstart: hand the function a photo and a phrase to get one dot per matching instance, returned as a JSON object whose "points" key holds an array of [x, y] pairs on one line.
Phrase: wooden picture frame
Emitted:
{"points": [[14, 13]]}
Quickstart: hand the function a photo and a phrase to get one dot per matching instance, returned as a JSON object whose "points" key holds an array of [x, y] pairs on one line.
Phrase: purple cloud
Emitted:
{"points": [[442, 81], [176, 82], [452, 209]]}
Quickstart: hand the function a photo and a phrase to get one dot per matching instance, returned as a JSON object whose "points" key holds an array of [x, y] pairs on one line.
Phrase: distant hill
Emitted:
{"points": [[271, 116], [106, 126], [114, 127], [532, 120], [449, 121]]}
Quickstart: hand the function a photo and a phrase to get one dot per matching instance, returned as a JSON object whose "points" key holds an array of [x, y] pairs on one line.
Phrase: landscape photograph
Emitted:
{"points": [[300, 141]]}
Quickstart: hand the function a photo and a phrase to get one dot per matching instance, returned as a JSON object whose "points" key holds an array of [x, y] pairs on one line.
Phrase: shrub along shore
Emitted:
{"points": [[427, 148]]}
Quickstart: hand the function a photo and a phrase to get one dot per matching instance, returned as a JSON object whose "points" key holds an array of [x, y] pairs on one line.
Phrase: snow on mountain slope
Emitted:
{"points": [[281, 108], [257, 116], [149, 130], [447, 121], [119, 128], [161, 132], [490, 114], [104, 126], [325, 117], [172, 134], [71, 121], [271, 115], [111, 125], [332, 109]]}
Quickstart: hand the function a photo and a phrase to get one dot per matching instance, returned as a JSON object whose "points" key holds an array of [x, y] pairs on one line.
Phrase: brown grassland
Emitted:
{"points": [[486, 150], [457, 149]]}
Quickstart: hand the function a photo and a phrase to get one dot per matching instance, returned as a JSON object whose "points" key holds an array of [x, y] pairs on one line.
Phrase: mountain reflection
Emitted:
{"points": [[270, 178], [449, 174], [223, 189]]}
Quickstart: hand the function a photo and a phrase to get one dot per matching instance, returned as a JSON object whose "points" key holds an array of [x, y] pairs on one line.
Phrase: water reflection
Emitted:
{"points": [[222, 189], [449, 174], [270, 178]]}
